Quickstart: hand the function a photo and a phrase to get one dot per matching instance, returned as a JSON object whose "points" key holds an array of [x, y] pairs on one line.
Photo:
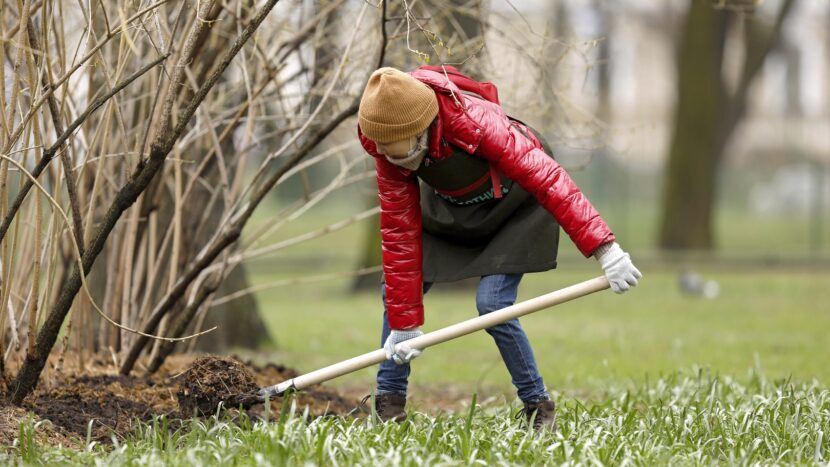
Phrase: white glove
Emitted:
{"points": [[620, 271], [404, 353]]}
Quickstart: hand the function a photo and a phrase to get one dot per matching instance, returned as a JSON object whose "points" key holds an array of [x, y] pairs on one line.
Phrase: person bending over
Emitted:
{"points": [[490, 206]]}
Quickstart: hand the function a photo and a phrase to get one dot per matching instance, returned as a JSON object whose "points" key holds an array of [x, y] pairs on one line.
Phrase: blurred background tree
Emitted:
{"points": [[708, 110]]}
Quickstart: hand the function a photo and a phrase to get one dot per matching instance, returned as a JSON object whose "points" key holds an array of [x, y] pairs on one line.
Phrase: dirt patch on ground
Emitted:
{"points": [[99, 404], [102, 405], [35, 430]]}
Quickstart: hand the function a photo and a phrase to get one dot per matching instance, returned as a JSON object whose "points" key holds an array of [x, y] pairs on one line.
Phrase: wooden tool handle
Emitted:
{"points": [[443, 335]]}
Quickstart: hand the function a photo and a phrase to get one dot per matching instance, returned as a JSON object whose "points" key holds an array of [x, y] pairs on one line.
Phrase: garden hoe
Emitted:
{"points": [[426, 340]]}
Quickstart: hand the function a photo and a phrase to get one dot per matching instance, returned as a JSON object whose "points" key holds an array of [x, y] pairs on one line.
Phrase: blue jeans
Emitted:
{"points": [[494, 292]]}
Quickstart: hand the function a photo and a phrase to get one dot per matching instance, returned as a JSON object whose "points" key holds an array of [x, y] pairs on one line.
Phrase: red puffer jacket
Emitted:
{"points": [[482, 128]]}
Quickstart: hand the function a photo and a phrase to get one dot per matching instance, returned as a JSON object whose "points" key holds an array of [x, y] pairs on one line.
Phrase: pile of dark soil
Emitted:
{"points": [[98, 402], [212, 381]]}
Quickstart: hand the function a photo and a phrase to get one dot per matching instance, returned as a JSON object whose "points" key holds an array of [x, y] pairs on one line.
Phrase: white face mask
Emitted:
{"points": [[413, 158]]}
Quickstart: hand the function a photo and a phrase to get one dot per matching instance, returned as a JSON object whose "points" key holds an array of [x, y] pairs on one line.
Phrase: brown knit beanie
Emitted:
{"points": [[395, 106]]}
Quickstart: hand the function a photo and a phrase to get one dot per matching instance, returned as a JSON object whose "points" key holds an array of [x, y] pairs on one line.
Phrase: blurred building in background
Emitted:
{"points": [[611, 68]]}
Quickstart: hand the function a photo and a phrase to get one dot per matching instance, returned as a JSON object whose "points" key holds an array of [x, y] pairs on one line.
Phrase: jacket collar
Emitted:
{"points": [[439, 148]]}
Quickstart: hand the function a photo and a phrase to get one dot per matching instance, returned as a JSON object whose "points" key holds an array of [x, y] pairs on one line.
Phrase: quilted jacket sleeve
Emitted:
{"points": [[522, 161], [400, 230], [401, 244]]}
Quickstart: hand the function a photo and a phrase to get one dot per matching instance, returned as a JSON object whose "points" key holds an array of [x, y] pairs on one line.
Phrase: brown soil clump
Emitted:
{"points": [[212, 381]]}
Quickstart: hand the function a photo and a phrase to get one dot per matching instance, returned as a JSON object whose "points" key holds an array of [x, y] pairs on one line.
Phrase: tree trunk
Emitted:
{"points": [[689, 190], [705, 118], [239, 322]]}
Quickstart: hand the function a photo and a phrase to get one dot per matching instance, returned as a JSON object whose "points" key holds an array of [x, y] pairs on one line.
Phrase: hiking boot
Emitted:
{"points": [[541, 414], [389, 406]]}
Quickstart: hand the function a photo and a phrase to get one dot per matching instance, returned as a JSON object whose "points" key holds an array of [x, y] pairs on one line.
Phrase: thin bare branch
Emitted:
{"points": [[50, 153]]}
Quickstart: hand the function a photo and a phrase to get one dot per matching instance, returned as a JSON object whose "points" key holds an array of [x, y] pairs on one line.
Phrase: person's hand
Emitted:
{"points": [[404, 353], [620, 271]]}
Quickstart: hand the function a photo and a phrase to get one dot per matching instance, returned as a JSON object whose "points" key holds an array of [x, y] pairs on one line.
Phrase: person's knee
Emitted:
{"points": [[496, 292]]}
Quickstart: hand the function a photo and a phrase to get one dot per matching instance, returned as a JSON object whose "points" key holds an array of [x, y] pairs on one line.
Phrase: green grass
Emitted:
{"points": [[689, 419]]}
